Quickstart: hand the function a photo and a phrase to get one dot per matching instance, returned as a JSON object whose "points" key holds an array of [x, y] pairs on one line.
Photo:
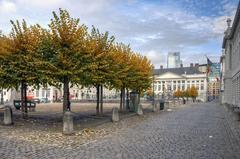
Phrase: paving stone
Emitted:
{"points": [[197, 131]]}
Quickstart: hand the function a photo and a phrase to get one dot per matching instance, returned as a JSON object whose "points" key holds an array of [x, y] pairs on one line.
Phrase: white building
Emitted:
{"points": [[167, 81], [231, 62], [53, 94], [173, 60]]}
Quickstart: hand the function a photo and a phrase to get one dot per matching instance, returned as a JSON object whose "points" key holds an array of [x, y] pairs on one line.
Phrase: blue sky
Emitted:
{"points": [[151, 27]]}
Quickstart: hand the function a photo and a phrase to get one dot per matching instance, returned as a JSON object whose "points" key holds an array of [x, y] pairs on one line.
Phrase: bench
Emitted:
{"points": [[30, 105]]}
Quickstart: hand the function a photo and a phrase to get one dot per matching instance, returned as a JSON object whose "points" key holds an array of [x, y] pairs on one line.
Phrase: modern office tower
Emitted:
{"points": [[173, 60]]}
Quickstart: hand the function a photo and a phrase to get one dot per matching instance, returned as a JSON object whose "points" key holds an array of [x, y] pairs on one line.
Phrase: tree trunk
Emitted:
{"points": [[127, 99], [98, 101], [123, 99], [24, 99], [101, 100], [2, 97], [139, 96], [66, 100]]}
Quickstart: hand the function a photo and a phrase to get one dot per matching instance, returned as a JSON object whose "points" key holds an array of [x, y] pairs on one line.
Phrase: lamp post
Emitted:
{"points": [[153, 90]]}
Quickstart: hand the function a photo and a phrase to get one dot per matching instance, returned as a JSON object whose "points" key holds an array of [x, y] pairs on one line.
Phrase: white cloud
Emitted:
{"points": [[150, 29], [40, 3], [6, 7]]}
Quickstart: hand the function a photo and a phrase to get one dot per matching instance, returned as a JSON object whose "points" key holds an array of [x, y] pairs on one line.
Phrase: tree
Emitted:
{"points": [[67, 52], [120, 65], [99, 45], [193, 93], [20, 66], [187, 93], [178, 93]]}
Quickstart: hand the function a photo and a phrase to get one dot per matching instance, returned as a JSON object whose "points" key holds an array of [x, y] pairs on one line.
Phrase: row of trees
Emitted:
{"points": [[188, 93], [67, 54]]}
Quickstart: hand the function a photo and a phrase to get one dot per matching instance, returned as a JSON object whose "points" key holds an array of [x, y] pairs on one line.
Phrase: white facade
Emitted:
{"points": [[173, 60], [168, 83], [231, 63], [53, 94]]}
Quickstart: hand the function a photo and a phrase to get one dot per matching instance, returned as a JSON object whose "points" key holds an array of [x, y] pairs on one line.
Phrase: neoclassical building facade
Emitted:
{"points": [[231, 62], [168, 80], [53, 94]]}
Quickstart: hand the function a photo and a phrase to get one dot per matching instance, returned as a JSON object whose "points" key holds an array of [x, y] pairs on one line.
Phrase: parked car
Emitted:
{"points": [[36, 100]]}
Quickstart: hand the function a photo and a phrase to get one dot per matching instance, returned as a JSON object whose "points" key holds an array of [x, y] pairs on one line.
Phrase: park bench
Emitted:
{"points": [[30, 105]]}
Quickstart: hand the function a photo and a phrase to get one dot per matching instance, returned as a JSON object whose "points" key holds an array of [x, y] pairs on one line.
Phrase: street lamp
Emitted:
{"points": [[153, 90]]}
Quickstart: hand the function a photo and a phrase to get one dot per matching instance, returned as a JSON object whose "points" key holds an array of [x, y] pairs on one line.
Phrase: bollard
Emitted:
{"points": [[115, 115], [68, 123], [154, 107], [8, 116], [139, 109]]}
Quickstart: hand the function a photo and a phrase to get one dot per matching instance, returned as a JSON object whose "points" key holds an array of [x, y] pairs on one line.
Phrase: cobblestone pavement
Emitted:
{"points": [[200, 131]]}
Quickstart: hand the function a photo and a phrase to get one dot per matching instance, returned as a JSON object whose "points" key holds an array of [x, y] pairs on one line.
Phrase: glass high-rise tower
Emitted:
{"points": [[173, 60]]}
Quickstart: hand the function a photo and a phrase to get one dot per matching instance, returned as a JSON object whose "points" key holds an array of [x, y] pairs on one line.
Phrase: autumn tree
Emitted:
{"points": [[187, 93], [21, 65], [193, 93], [99, 47], [178, 93], [67, 52], [120, 66]]}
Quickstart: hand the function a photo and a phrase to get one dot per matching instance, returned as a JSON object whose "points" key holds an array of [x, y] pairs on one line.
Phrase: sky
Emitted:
{"points": [[151, 27]]}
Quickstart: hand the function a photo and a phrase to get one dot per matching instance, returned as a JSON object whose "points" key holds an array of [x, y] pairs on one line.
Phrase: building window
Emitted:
{"points": [[174, 87], [183, 87], [43, 93], [48, 93], [37, 93], [155, 88]]}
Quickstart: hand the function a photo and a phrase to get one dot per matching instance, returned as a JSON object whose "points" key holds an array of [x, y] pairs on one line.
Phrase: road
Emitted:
{"points": [[200, 131]]}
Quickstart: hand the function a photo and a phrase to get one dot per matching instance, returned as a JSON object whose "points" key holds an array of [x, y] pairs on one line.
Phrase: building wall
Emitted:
{"points": [[169, 83], [52, 94], [232, 67]]}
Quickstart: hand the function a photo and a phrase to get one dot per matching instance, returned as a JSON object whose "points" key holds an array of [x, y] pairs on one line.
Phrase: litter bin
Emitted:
{"points": [[161, 105], [184, 101], [134, 101]]}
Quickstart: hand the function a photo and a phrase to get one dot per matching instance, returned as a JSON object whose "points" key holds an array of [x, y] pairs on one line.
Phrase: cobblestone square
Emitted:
{"points": [[193, 131]]}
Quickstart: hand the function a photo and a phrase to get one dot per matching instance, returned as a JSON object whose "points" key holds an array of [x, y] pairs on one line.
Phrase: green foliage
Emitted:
{"points": [[67, 54], [20, 61]]}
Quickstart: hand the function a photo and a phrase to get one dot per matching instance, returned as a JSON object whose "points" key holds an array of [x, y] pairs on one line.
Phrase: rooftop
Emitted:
{"points": [[179, 70]]}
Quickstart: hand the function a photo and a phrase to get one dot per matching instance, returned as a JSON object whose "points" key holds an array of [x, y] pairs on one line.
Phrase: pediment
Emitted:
{"points": [[169, 75]]}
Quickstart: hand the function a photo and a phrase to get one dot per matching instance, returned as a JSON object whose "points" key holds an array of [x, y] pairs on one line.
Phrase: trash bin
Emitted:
{"points": [[184, 101], [134, 101], [161, 105]]}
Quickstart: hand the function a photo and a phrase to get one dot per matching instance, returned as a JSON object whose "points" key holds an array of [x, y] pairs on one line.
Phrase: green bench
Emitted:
{"points": [[30, 105]]}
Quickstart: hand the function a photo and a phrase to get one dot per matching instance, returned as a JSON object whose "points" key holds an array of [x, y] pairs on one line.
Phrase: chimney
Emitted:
{"points": [[181, 65], [161, 67], [196, 64], [191, 64]]}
